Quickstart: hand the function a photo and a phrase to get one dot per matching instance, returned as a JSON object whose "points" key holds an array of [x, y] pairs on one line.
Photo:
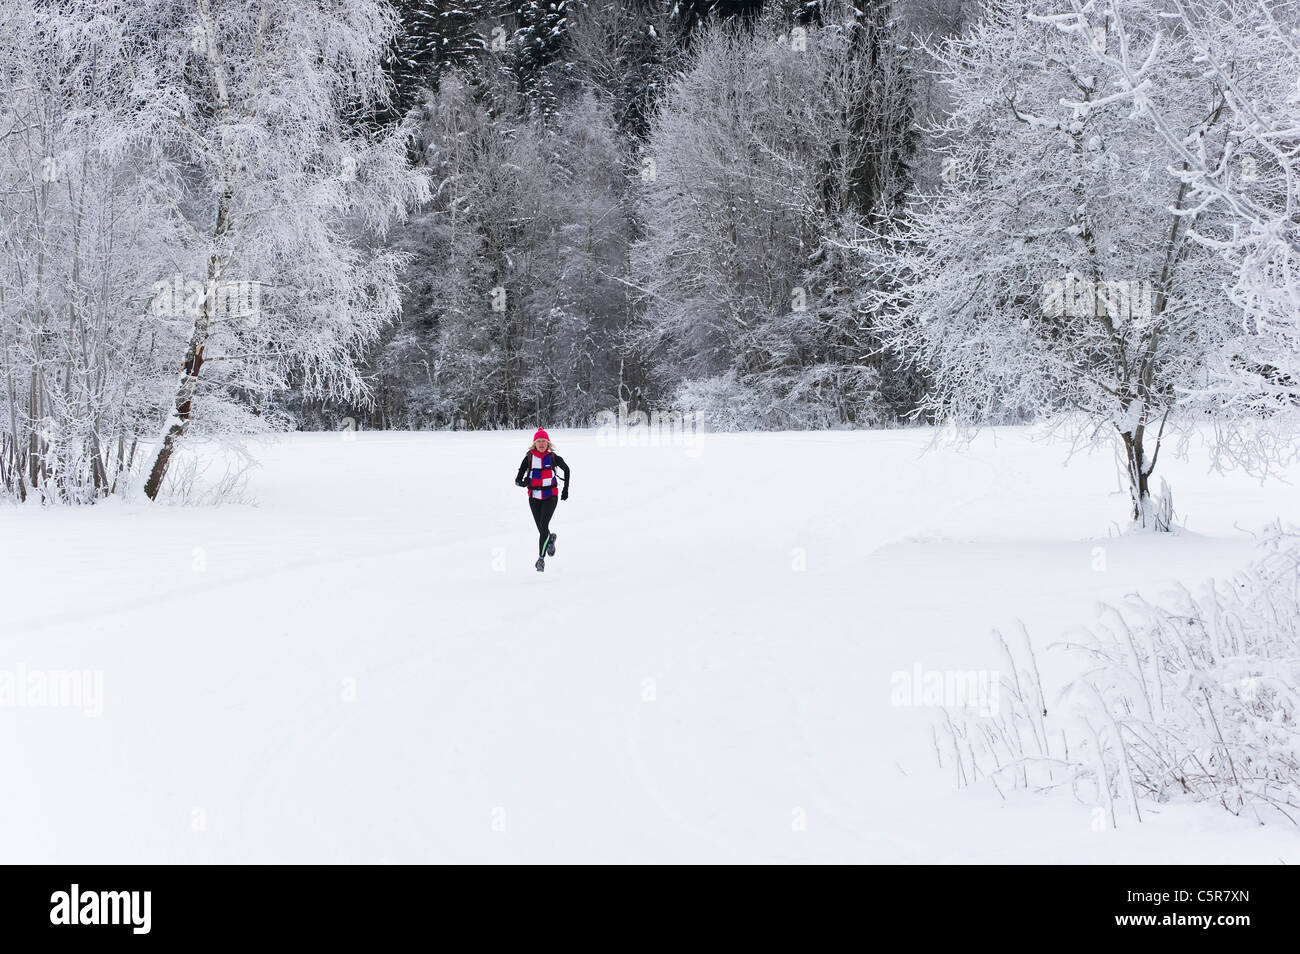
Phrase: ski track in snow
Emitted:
{"points": [[500, 715]]}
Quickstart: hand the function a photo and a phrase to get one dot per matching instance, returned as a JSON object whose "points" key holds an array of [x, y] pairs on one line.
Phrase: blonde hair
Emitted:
{"points": [[550, 446]]}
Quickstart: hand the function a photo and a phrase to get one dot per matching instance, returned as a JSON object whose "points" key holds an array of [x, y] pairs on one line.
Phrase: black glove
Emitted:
{"points": [[521, 482], [564, 494]]}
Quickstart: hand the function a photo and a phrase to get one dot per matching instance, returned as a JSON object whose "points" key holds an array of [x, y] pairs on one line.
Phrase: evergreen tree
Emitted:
{"points": [[435, 35]]}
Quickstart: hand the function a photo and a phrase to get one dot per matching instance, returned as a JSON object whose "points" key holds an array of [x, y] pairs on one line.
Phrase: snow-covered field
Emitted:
{"points": [[363, 666]]}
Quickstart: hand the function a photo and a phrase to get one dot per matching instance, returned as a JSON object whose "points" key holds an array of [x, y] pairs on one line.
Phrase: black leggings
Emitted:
{"points": [[543, 511]]}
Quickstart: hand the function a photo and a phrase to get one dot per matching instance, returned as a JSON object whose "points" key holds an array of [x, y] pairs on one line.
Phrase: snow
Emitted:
{"points": [[341, 673]]}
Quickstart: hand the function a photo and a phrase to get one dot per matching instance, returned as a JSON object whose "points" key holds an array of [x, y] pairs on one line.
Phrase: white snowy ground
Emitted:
{"points": [[345, 671]]}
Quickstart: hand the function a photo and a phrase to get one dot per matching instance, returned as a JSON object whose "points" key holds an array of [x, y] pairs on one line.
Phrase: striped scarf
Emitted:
{"points": [[542, 482]]}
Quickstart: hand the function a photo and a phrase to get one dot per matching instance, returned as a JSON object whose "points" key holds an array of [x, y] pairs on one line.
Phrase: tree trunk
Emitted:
{"points": [[180, 418], [1140, 467], [1138, 476], [178, 421]]}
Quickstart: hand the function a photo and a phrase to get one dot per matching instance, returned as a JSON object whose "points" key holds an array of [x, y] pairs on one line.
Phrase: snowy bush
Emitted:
{"points": [[210, 473], [1195, 700]]}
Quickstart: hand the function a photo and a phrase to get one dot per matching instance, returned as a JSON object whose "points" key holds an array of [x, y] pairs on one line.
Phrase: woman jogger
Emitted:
{"points": [[537, 473]]}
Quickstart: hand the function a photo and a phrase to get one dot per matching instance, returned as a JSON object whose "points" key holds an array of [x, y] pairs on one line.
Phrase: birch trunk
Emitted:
{"points": [[179, 419]]}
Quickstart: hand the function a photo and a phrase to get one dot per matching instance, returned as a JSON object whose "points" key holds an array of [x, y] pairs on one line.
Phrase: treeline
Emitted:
{"points": [[653, 203], [225, 216], [834, 214]]}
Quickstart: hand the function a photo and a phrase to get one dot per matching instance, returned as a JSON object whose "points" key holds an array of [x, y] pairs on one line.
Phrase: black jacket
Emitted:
{"points": [[557, 463]]}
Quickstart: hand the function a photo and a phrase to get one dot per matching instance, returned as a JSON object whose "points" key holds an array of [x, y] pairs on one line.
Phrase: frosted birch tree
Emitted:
{"points": [[279, 198], [182, 189]]}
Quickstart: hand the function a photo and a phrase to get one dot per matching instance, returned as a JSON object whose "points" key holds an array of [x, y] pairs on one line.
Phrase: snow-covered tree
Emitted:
{"points": [[1053, 275], [474, 254], [83, 235], [764, 159], [434, 36], [515, 300], [533, 57], [182, 189], [243, 109], [1250, 50], [621, 51]]}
